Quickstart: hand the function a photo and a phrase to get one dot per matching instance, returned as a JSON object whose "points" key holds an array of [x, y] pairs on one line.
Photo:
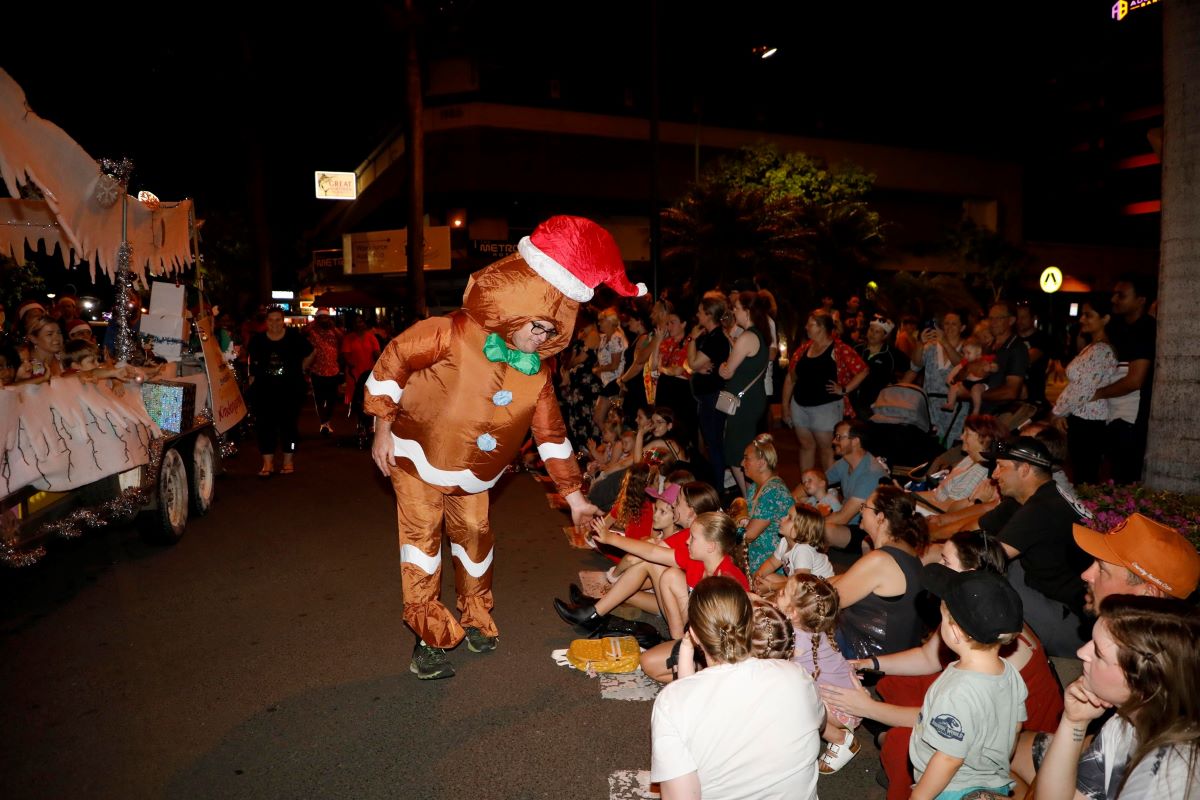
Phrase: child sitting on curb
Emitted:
{"points": [[811, 603], [814, 491], [965, 734], [674, 566], [798, 552]]}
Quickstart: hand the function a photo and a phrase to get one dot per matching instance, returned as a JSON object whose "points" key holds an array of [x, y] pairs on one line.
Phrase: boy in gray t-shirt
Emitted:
{"points": [[965, 734]]}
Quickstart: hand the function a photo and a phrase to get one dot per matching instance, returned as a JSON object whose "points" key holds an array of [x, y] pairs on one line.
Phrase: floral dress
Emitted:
{"points": [[1095, 366], [578, 397], [771, 502]]}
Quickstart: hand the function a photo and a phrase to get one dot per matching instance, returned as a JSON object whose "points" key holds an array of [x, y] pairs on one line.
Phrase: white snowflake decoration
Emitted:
{"points": [[107, 191]]}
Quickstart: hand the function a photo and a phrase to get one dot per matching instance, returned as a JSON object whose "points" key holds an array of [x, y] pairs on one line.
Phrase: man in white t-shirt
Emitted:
{"points": [[748, 730]]}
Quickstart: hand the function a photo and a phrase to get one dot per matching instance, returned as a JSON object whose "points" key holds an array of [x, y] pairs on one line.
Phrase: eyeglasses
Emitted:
{"points": [[537, 327], [841, 436], [872, 509]]}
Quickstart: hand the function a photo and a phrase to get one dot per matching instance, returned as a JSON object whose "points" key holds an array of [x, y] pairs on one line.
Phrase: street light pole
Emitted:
{"points": [[655, 219], [415, 150]]}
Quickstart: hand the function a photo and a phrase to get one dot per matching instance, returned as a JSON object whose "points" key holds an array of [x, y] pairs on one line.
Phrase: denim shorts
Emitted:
{"points": [[822, 419]]}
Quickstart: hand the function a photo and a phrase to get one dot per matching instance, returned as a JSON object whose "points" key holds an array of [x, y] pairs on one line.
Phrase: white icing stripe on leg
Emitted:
{"points": [[379, 388], [410, 554], [473, 569], [548, 450], [462, 478]]}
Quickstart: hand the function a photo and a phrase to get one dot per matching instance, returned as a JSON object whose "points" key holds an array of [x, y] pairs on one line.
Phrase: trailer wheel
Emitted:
{"points": [[203, 475], [166, 523]]}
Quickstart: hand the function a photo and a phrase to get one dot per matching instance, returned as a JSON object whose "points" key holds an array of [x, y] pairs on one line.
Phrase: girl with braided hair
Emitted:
{"points": [[703, 742], [811, 603], [772, 634]]}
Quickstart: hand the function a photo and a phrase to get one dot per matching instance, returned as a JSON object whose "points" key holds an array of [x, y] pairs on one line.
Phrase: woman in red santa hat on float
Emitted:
{"points": [[455, 397]]}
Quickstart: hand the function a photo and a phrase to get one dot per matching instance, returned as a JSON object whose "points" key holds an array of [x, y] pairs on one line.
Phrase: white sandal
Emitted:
{"points": [[836, 756]]}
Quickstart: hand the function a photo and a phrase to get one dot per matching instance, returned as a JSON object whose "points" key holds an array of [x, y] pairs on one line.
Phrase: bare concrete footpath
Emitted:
{"points": [[264, 656]]}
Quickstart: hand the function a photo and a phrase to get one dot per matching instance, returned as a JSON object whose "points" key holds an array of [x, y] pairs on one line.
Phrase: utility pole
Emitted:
{"points": [[415, 152], [655, 216]]}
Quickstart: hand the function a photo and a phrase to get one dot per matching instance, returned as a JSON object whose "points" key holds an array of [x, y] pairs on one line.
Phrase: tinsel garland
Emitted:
{"points": [[20, 558], [225, 446], [121, 508], [152, 339], [125, 344], [120, 171]]}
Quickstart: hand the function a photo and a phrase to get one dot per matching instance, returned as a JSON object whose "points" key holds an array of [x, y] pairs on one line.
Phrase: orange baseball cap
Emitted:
{"points": [[1152, 551]]}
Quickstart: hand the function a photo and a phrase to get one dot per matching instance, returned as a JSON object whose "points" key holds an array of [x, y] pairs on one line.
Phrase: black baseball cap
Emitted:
{"points": [[982, 602]]}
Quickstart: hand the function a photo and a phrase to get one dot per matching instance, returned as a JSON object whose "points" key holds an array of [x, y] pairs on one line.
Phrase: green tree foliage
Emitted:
{"points": [[18, 283], [803, 225], [792, 176]]}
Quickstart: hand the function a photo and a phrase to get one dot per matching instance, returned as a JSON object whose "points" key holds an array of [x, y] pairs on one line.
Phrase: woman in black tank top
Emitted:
{"points": [[813, 395], [879, 592]]}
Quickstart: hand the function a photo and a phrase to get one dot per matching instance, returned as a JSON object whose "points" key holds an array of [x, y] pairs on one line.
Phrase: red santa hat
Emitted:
{"points": [[575, 255], [29, 305]]}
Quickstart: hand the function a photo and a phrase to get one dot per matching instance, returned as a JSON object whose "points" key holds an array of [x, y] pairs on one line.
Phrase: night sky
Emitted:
{"points": [[196, 102]]}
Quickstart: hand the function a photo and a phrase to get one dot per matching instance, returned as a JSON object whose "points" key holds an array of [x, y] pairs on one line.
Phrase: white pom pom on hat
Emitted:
{"points": [[575, 255]]}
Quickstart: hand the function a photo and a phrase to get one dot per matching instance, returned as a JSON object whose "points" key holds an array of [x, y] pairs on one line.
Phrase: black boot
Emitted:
{"points": [[582, 616], [578, 598]]}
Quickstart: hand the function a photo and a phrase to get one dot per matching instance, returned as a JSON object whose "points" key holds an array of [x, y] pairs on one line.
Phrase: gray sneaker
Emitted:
{"points": [[430, 663], [478, 643]]}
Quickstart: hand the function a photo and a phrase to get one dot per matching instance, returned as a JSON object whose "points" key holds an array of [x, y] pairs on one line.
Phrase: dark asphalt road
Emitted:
{"points": [[264, 656]]}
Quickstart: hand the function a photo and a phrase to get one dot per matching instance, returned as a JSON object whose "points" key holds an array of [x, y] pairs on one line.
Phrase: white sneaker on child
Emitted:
{"points": [[836, 756]]}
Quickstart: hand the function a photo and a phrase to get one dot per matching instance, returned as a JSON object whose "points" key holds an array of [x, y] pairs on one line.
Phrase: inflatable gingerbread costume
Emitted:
{"points": [[458, 395]]}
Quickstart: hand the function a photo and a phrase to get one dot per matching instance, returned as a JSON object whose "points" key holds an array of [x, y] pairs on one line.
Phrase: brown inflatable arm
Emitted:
{"points": [[415, 349], [550, 434]]}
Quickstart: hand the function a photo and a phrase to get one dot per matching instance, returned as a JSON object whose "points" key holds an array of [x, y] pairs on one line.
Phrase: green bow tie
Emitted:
{"points": [[496, 350]]}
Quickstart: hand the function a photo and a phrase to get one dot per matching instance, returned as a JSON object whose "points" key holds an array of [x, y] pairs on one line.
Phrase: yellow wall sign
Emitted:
{"points": [[1051, 280]]}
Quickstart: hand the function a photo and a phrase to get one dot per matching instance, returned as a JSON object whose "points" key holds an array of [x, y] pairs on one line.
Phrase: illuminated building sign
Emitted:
{"points": [[1121, 8], [336, 185], [1051, 280]]}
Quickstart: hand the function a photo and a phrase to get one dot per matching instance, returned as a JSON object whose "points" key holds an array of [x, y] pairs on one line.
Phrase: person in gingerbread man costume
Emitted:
{"points": [[454, 397]]}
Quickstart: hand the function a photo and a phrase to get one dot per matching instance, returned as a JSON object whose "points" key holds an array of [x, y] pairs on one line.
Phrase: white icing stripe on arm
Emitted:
{"points": [[548, 450], [475, 569], [413, 555], [379, 388]]}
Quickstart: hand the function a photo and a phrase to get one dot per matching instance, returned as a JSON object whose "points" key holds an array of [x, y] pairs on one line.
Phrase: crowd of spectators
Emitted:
{"points": [[921, 607]]}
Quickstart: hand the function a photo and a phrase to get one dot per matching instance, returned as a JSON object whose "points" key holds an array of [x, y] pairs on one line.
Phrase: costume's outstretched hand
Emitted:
{"points": [[582, 512]]}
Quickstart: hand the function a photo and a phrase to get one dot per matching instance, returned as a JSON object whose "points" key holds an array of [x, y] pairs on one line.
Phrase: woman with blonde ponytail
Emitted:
{"points": [[704, 742]]}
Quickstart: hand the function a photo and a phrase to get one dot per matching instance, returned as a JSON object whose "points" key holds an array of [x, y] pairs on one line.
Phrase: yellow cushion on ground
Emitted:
{"points": [[609, 654]]}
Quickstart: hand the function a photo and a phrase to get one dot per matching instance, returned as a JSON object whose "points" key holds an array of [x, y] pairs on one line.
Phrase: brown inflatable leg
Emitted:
{"points": [[471, 545], [419, 511]]}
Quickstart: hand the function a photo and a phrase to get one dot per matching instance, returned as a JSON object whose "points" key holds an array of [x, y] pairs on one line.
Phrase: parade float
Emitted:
{"points": [[77, 453]]}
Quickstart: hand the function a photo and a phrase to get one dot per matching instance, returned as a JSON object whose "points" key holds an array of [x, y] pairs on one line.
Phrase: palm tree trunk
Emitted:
{"points": [[1173, 447]]}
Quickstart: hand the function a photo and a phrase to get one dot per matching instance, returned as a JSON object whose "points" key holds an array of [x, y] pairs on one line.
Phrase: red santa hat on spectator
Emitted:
{"points": [[29, 305], [575, 255], [78, 326]]}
